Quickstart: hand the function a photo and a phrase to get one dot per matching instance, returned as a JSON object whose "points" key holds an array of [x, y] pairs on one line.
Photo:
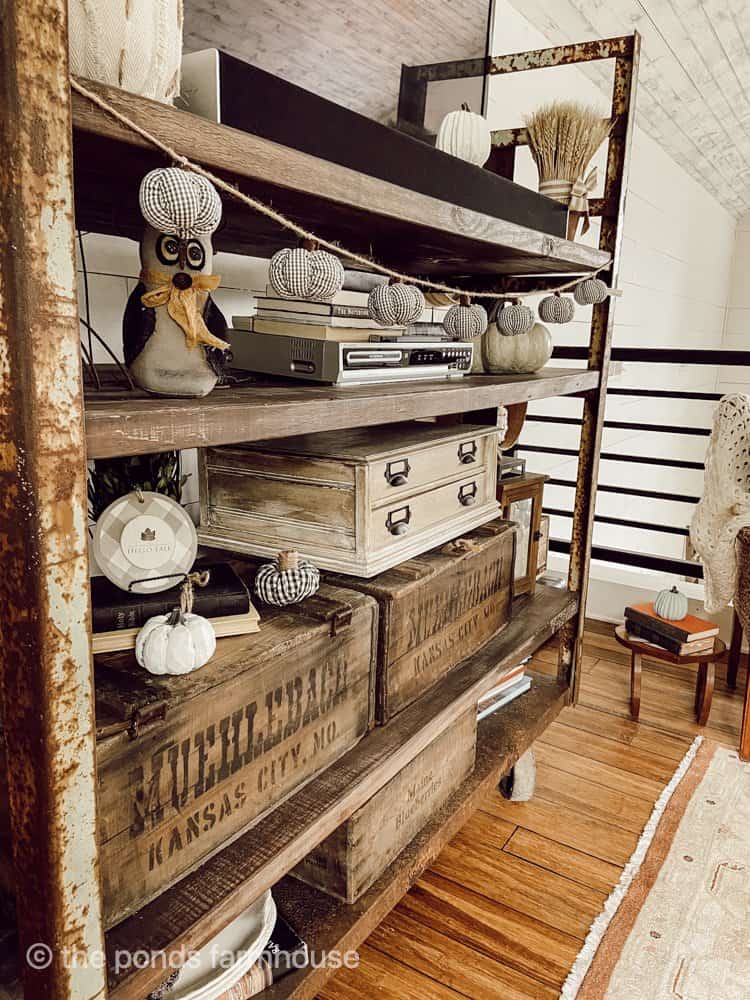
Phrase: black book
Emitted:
{"points": [[114, 609], [640, 631], [688, 629], [286, 951]]}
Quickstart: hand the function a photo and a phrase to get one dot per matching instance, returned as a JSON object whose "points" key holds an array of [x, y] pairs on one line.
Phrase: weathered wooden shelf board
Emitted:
{"points": [[327, 924], [401, 227], [194, 910], [131, 423]]}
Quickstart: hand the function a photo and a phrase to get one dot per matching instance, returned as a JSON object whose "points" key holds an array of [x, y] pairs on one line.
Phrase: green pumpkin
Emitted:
{"points": [[671, 605]]}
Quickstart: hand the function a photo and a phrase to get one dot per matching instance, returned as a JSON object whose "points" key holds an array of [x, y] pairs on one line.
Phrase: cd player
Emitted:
{"points": [[348, 363]]}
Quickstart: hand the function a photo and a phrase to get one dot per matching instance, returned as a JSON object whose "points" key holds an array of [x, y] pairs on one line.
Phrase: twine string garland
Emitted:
{"points": [[294, 227]]}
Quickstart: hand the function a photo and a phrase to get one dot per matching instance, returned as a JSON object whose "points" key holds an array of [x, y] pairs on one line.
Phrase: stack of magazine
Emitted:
{"points": [[512, 684]]}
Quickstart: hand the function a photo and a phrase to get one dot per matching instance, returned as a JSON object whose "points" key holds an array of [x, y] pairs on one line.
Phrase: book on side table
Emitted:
{"points": [[686, 637]]}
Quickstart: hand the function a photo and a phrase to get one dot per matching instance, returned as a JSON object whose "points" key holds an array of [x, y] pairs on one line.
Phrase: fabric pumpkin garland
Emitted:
{"points": [[556, 309], [395, 304], [590, 291], [287, 580], [178, 201], [306, 273], [466, 320], [514, 320]]}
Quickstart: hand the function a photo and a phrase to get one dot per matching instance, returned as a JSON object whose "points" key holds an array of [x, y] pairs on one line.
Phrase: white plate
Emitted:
{"points": [[209, 973], [145, 537]]}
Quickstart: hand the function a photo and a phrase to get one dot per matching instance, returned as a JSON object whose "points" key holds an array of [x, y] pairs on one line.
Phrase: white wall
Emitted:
{"points": [[737, 331], [675, 276]]}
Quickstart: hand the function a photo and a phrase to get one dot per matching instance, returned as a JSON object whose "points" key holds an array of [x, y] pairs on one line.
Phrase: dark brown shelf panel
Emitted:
{"points": [[327, 924], [132, 423], [191, 912], [400, 227]]}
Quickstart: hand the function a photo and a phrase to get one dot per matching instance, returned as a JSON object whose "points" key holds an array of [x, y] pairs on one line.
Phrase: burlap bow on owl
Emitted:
{"points": [[184, 305], [579, 196]]}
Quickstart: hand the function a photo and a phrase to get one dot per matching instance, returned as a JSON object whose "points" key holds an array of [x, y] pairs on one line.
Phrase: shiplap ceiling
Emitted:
{"points": [[349, 51], [694, 83]]}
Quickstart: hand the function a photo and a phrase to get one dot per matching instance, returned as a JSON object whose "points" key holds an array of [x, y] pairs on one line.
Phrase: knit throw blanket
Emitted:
{"points": [[725, 507]]}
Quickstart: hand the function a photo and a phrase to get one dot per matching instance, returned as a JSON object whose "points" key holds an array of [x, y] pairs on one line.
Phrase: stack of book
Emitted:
{"points": [[686, 637], [345, 319], [513, 684], [117, 615]]}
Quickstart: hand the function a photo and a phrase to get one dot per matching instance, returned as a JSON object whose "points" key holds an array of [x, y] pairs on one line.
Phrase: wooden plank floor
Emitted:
{"points": [[504, 910]]}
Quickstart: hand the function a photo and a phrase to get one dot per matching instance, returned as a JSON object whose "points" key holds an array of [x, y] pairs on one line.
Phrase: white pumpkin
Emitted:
{"points": [[175, 644], [465, 135], [671, 605], [135, 45], [520, 355]]}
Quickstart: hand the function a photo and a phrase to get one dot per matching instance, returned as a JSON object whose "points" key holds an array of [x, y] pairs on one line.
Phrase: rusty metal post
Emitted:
{"points": [[600, 346], [45, 657]]}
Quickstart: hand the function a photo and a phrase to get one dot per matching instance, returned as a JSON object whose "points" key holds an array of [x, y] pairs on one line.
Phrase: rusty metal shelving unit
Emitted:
{"points": [[45, 654]]}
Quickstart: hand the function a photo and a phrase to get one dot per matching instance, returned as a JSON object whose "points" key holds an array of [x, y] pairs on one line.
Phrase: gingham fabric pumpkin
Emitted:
{"points": [[301, 273], [180, 202], [514, 320], [465, 322], [590, 291], [287, 580], [395, 304], [556, 309]]}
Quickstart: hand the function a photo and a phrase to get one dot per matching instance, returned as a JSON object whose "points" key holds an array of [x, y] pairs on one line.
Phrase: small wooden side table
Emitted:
{"points": [[704, 688]]}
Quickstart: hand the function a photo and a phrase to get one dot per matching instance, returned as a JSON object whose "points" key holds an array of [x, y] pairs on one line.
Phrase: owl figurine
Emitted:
{"points": [[173, 332]]}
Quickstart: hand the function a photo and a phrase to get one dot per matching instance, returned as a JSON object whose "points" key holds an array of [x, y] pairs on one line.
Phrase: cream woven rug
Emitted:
{"points": [[677, 927]]}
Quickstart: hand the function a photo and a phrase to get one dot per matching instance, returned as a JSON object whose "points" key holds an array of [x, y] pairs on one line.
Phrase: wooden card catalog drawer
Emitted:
{"points": [[186, 763], [357, 501], [347, 863]]}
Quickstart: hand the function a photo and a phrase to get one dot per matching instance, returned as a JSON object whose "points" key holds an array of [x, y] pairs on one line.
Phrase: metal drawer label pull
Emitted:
{"points": [[467, 452], [399, 525], [397, 472], [467, 494]]}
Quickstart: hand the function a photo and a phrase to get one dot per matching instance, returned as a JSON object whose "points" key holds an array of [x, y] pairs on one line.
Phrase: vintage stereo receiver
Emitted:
{"points": [[349, 363]]}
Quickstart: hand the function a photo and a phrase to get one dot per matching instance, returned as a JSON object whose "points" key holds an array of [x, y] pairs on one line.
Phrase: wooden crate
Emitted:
{"points": [[347, 863], [185, 764], [437, 609], [354, 501]]}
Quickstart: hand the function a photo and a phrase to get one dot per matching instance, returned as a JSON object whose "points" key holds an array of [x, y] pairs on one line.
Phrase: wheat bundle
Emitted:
{"points": [[563, 137]]}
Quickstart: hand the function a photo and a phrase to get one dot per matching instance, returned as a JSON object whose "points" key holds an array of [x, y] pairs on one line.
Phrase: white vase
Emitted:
{"points": [[135, 45]]}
